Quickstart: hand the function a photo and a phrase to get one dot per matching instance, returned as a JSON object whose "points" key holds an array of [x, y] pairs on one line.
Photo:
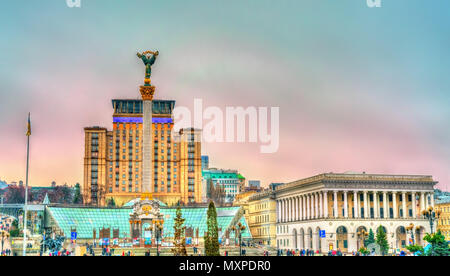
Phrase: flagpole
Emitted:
{"points": [[26, 191]]}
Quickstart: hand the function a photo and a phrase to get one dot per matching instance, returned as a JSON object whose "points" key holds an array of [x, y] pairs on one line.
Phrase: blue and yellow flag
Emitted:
{"points": [[29, 126]]}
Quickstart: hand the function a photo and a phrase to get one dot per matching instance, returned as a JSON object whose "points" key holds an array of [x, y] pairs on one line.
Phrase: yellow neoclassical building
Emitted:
{"points": [[262, 217], [242, 201], [443, 223]]}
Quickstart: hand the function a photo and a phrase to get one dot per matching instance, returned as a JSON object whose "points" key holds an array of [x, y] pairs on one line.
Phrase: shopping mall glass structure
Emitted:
{"points": [[87, 220]]}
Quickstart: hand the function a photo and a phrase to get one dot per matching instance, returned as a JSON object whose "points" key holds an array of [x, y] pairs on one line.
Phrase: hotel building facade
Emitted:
{"points": [[113, 159], [330, 211]]}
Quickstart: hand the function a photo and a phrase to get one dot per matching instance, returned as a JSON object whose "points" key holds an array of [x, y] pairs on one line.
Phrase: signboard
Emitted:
{"points": [[148, 241], [73, 236], [116, 241], [188, 241], [322, 234]]}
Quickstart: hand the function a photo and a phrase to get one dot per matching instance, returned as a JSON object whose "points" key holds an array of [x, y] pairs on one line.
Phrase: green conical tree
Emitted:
{"points": [[439, 246], [179, 239], [212, 235], [370, 239], [77, 198], [382, 240]]}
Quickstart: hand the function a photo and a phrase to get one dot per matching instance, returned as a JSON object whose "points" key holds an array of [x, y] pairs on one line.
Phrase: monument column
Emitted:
{"points": [[147, 91]]}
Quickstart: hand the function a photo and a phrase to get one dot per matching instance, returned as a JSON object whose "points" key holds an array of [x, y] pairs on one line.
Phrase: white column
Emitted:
{"points": [[335, 202], [394, 204], [305, 212], [325, 204], [414, 204], [316, 207], [278, 211], [385, 206], [284, 210], [147, 147], [375, 205], [422, 201], [366, 206], [286, 202], [432, 199], [300, 213], [404, 204], [290, 210], [355, 204], [345, 205], [281, 210], [320, 204], [308, 206], [297, 208]]}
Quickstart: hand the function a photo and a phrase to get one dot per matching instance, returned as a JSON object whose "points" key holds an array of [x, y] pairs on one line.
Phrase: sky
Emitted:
{"points": [[359, 88]]}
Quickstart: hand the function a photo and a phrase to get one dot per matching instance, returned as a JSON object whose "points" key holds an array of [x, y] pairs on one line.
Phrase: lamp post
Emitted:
{"points": [[410, 229], [158, 229], [239, 228], [432, 215]]}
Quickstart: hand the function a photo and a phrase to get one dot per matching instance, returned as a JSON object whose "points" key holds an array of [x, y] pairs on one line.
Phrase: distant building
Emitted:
{"points": [[227, 179], [254, 183], [205, 162], [272, 186], [241, 182]]}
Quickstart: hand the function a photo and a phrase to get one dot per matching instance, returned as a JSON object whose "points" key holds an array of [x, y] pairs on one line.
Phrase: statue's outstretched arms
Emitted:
{"points": [[153, 59]]}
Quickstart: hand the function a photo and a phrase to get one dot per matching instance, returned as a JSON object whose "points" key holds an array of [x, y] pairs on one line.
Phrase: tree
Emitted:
{"points": [[212, 235], [382, 240], [217, 194], [179, 238], [16, 194], [364, 251], [415, 248], [370, 239], [110, 202], [439, 246], [14, 231], [77, 198]]}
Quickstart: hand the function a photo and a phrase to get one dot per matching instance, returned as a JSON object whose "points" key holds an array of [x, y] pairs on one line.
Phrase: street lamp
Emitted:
{"points": [[432, 215], [239, 228], [158, 228], [410, 229]]}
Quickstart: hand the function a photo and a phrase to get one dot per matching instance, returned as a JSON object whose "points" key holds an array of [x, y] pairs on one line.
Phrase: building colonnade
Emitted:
{"points": [[369, 204]]}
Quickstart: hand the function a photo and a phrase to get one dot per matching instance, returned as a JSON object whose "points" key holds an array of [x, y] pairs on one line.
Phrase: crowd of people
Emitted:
{"points": [[308, 252], [6, 252]]}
